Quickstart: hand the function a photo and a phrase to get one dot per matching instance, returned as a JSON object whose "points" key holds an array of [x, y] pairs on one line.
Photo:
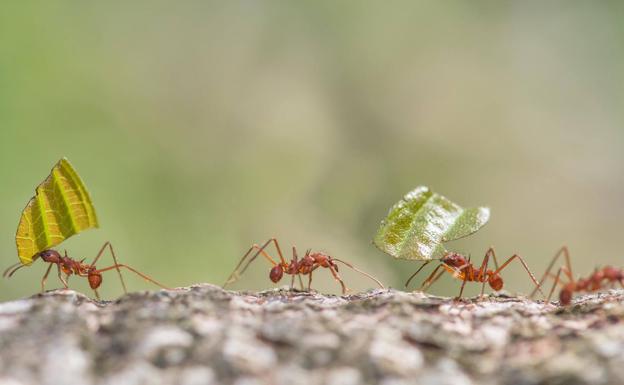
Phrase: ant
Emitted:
{"points": [[297, 267], [68, 266], [596, 281], [461, 268]]}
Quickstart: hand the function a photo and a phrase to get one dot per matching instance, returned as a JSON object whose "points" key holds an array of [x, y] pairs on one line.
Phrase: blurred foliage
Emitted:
{"points": [[203, 127]]}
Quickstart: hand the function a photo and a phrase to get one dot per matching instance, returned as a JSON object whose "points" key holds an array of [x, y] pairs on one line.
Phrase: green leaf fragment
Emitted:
{"points": [[417, 226]]}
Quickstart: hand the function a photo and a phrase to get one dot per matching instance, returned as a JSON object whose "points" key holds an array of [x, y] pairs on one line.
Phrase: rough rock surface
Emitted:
{"points": [[204, 335]]}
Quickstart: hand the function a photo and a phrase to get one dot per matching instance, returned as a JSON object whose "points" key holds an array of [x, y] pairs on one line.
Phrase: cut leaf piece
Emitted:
{"points": [[60, 208], [417, 226]]}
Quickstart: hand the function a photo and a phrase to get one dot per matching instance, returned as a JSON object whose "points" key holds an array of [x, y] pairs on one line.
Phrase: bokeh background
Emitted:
{"points": [[203, 127]]}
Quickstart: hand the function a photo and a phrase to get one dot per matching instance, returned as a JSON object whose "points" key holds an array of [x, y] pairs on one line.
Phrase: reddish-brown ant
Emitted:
{"points": [[598, 280], [69, 266], [296, 267], [461, 268]]}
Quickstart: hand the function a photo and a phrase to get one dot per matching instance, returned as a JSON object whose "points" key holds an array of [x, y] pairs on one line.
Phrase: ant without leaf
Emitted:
{"points": [[297, 267], [68, 266], [461, 268], [597, 280]]}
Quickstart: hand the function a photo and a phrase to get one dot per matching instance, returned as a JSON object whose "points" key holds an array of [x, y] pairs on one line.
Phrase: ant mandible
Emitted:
{"points": [[596, 281], [461, 268], [69, 266], [296, 267]]}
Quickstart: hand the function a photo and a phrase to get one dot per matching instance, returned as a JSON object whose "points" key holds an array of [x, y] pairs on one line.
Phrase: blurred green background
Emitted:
{"points": [[203, 127]]}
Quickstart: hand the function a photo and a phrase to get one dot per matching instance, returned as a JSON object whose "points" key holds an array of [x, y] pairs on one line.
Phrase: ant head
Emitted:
{"points": [[95, 278], [495, 281], [276, 273], [454, 259], [51, 256], [612, 274]]}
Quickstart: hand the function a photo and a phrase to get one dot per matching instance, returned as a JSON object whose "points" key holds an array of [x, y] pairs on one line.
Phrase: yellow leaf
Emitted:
{"points": [[60, 208]]}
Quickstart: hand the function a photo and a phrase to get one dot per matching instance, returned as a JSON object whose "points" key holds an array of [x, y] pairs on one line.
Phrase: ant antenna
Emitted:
{"points": [[144, 276], [12, 269], [360, 271], [416, 273]]}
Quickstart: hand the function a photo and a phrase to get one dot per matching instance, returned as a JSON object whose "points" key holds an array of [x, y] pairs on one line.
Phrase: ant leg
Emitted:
{"points": [[436, 278], [45, 276], [310, 276], [97, 295], [145, 277], [430, 279], [260, 250], [58, 268], [461, 290], [295, 261], [465, 266], [556, 280], [516, 256], [483, 269], [359, 271], [99, 254], [566, 254], [416, 273], [493, 254], [235, 274], [337, 278], [300, 281], [298, 275]]}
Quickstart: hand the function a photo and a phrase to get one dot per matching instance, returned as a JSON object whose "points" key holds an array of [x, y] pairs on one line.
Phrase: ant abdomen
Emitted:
{"points": [[565, 296], [495, 281], [95, 280], [276, 274]]}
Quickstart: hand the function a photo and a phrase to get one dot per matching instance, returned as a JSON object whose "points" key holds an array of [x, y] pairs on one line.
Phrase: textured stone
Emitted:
{"points": [[203, 335]]}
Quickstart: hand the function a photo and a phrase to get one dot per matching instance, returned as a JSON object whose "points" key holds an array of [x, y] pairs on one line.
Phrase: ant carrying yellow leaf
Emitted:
{"points": [[62, 207]]}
